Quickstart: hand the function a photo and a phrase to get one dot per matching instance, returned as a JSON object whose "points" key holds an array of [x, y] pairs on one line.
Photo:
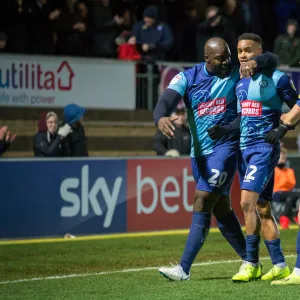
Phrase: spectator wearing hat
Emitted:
{"points": [[287, 46], [77, 141], [181, 143], [152, 37], [50, 141]]}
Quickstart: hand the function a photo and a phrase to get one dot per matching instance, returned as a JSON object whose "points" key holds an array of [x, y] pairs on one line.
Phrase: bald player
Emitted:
{"points": [[208, 90]]}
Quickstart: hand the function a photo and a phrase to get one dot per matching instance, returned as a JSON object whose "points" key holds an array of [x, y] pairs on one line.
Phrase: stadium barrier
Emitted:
{"points": [[51, 197]]}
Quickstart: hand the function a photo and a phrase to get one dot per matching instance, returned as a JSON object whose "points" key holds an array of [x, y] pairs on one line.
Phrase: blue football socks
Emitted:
{"points": [[230, 228], [252, 248], [197, 235]]}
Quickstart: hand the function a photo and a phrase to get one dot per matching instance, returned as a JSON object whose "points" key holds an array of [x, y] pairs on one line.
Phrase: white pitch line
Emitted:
{"points": [[208, 263]]}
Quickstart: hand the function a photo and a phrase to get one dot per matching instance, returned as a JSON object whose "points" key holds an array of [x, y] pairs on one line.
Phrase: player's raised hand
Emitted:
{"points": [[273, 136], [216, 132], [166, 126], [247, 69]]}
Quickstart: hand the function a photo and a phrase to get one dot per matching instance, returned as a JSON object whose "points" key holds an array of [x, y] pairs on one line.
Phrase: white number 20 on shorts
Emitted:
{"points": [[217, 178]]}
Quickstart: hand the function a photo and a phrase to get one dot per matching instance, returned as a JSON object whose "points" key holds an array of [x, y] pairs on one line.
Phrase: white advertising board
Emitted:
{"points": [[38, 81]]}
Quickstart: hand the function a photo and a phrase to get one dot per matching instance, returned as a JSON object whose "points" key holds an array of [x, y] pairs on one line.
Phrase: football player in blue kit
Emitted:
{"points": [[288, 121], [208, 90], [260, 99]]}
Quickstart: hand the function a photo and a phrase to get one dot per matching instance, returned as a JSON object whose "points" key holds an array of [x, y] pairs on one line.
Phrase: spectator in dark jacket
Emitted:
{"points": [[287, 46], [104, 27], [6, 138], [70, 25], [73, 115], [17, 26], [180, 144], [50, 142], [152, 37], [41, 35], [215, 25]]}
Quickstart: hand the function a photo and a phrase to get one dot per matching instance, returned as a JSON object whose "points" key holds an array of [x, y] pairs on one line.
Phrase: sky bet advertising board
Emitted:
{"points": [[95, 196]]}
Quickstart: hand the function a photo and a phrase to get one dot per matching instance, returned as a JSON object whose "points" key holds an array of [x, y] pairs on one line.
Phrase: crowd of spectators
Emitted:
{"points": [[150, 29]]}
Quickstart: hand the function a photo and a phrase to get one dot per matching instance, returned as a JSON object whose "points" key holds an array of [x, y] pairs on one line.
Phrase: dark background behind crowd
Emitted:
{"points": [[99, 28]]}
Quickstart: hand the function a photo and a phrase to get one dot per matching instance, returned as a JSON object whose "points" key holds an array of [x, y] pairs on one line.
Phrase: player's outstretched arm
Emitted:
{"points": [[167, 104], [266, 60], [164, 107], [217, 132], [292, 117]]}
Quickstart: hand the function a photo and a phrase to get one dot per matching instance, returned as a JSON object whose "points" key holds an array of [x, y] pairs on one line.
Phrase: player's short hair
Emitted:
{"points": [[250, 36]]}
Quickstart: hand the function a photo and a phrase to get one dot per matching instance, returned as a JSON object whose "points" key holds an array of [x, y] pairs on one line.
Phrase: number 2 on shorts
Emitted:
{"points": [[250, 176]]}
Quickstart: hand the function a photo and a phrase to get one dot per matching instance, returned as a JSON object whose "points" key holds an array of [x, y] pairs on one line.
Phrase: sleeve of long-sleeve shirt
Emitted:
{"points": [[234, 126], [287, 91], [170, 97], [136, 32], [267, 60], [167, 41]]}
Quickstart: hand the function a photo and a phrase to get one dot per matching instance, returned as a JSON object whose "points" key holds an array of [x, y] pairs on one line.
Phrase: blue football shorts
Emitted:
{"points": [[215, 172], [256, 169]]}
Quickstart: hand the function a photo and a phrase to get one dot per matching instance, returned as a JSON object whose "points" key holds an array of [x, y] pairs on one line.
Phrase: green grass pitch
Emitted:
{"points": [[208, 281]]}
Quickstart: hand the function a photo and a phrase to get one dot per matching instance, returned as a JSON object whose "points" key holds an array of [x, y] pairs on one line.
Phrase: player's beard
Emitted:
{"points": [[223, 72]]}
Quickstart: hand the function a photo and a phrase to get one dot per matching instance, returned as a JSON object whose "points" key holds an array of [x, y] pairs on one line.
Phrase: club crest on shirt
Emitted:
{"points": [[263, 83]]}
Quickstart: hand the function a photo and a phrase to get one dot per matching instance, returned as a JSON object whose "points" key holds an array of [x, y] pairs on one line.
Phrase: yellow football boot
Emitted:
{"points": [[276, 273], [292, 279], [247, 273]]}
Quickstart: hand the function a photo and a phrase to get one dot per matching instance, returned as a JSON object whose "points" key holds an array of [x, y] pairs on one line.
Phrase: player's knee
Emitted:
{"points": [[264, 209], [203, 202], [248, 205]]}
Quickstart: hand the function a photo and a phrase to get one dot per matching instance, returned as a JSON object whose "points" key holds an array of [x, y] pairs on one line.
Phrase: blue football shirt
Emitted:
{"points": [[210, 101]]}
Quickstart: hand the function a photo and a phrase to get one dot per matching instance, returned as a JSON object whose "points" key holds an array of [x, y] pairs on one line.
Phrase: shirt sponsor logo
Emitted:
{"points": [[251, 108], [213, 107]]}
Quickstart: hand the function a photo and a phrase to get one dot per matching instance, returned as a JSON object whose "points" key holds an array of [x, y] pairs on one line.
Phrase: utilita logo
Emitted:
{"points": [[83, 200], [35, 76]]}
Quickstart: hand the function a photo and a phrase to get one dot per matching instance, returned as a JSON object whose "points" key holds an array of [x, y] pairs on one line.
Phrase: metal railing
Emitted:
{"points": [[147, 86]]}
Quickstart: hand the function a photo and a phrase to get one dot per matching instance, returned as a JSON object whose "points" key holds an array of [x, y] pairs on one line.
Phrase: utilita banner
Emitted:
{"points": [[57, 81], [96, 196]]}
